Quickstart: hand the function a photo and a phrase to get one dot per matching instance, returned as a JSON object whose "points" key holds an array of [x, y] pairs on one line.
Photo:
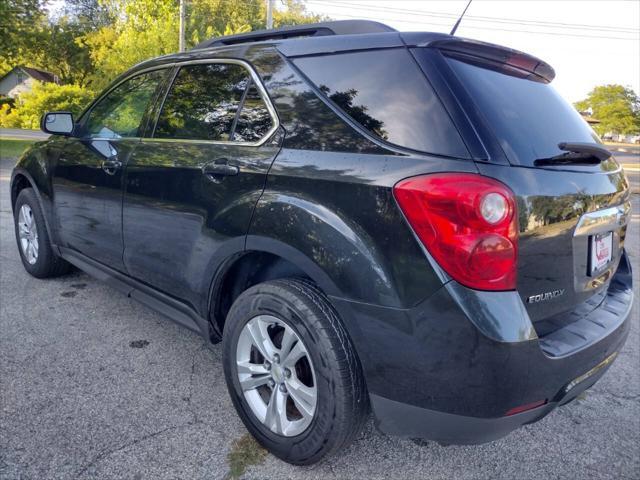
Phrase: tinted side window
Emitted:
{"points": [[202, 102], [120, 112], [386, 93], [254, 120], [310, 124]]}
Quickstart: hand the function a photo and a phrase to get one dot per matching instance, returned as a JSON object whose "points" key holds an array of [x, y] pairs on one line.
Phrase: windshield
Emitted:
{"points": [[529, 118]]}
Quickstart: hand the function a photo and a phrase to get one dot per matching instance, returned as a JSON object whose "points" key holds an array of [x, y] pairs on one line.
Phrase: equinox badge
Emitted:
{"points": [[543, 297]]}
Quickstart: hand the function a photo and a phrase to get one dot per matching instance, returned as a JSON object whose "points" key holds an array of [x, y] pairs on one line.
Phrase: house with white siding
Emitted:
{"points": [[20, 79]]}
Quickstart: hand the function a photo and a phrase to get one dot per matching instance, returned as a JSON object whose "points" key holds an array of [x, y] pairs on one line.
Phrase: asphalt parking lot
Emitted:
{"points": [[94, 385]]}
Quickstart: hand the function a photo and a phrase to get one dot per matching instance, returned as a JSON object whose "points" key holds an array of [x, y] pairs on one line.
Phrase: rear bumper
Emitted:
{"points": [[449, 372], [402, 419]]}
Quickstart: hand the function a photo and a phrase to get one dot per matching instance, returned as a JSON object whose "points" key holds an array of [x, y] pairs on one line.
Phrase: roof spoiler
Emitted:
{"points": [[339, 27], [495, 54]]}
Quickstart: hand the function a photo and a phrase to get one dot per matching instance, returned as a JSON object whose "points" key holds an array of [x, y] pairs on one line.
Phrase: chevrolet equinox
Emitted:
{"points": [[410, 224]]}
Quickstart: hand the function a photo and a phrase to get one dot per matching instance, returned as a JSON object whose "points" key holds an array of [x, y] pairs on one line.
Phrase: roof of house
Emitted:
{"points": [[34, 73]]}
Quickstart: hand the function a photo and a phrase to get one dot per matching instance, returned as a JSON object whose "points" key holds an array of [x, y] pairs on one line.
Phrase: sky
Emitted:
{"points": [[587, 42]]}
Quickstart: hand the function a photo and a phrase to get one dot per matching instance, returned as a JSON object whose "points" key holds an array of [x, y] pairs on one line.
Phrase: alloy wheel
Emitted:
{"points": [[276, 375], [28, 234]]}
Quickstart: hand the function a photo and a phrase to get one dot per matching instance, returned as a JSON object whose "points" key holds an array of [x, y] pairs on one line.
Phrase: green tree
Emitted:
{"points": [[94, 14], [61, 51], [45, 97], [294, 13], [33, 39], [616, 107], [90, 42], [214, 18], [143, 29], [19, 23]]}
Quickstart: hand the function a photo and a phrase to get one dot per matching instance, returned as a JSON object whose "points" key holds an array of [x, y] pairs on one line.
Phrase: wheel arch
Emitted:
{"points": [[265, 259], [272, 259], [21, 179]]}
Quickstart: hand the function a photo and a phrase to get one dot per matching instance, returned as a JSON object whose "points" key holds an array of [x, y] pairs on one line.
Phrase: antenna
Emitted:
{"points": [[455, 27]]}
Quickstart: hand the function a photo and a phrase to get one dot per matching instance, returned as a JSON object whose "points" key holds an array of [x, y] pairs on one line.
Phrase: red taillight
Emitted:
{"points": [[468, 223]]}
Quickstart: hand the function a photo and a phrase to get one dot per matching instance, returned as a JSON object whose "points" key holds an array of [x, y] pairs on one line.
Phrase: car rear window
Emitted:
{"points": [[528, 117], [387, 94]]}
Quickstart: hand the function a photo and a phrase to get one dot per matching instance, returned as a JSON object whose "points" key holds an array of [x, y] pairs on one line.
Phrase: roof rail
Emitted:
{"points": [[338, 27]]}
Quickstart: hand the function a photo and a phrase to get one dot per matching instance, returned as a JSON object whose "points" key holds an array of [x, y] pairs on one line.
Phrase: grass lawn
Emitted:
{"points": [[13, 147]]}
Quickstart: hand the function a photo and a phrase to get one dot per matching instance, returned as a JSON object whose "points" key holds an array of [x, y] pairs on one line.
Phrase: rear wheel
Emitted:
{"points": [[292, 372], [36, 253]]}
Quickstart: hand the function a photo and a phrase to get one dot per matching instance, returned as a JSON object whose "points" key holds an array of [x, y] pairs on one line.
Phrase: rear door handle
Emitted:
{"points": [[111, 166], [215, 171]]}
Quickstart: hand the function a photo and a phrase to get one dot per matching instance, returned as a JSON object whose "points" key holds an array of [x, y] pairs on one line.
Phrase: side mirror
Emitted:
{"points": [[57, 123]]}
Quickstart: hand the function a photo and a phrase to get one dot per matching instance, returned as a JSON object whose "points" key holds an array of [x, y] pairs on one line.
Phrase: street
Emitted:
{"points": [[19, 133], [95, 385]]}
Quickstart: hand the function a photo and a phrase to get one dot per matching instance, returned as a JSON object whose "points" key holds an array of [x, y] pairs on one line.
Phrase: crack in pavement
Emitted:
{"points": [[187, 399], [107, 452]]}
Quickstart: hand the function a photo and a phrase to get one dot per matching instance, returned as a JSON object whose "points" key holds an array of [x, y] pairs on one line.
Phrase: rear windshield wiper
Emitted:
{"points": [[576, 154]]}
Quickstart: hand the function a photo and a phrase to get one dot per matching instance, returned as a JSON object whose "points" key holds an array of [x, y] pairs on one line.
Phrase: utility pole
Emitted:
{"points": [[181, 40], [269, 14]]}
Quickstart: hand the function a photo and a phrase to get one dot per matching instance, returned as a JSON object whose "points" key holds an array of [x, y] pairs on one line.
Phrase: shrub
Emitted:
{"points": [[7, 101], [9, 117], [44, 97]]}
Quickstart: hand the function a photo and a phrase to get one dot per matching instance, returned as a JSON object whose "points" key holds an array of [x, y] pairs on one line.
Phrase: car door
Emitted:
{"points": [[193, 183], [87, 178]]}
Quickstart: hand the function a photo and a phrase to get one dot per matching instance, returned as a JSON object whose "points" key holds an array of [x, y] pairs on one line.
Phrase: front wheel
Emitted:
{"points": [[36, 253], [292, 372]]}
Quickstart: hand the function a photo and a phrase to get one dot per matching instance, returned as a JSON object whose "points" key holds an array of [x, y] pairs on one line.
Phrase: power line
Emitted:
{"points": [[478, 18], [541, 23], [467, 26]]}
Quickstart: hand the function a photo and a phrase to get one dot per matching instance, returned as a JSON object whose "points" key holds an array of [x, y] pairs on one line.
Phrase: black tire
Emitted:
{"points": [[47, 263], [342, 400]]}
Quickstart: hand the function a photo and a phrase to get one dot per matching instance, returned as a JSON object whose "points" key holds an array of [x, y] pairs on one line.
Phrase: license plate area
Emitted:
{"points": [[600, 252], [601, 223]]}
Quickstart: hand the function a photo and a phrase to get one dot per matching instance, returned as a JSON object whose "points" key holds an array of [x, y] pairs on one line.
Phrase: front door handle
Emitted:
{"points": [[215, 171], [111, 166]]}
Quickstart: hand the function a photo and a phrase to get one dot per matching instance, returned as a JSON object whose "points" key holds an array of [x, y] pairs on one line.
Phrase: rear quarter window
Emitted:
{"points": [[387, 94]]}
